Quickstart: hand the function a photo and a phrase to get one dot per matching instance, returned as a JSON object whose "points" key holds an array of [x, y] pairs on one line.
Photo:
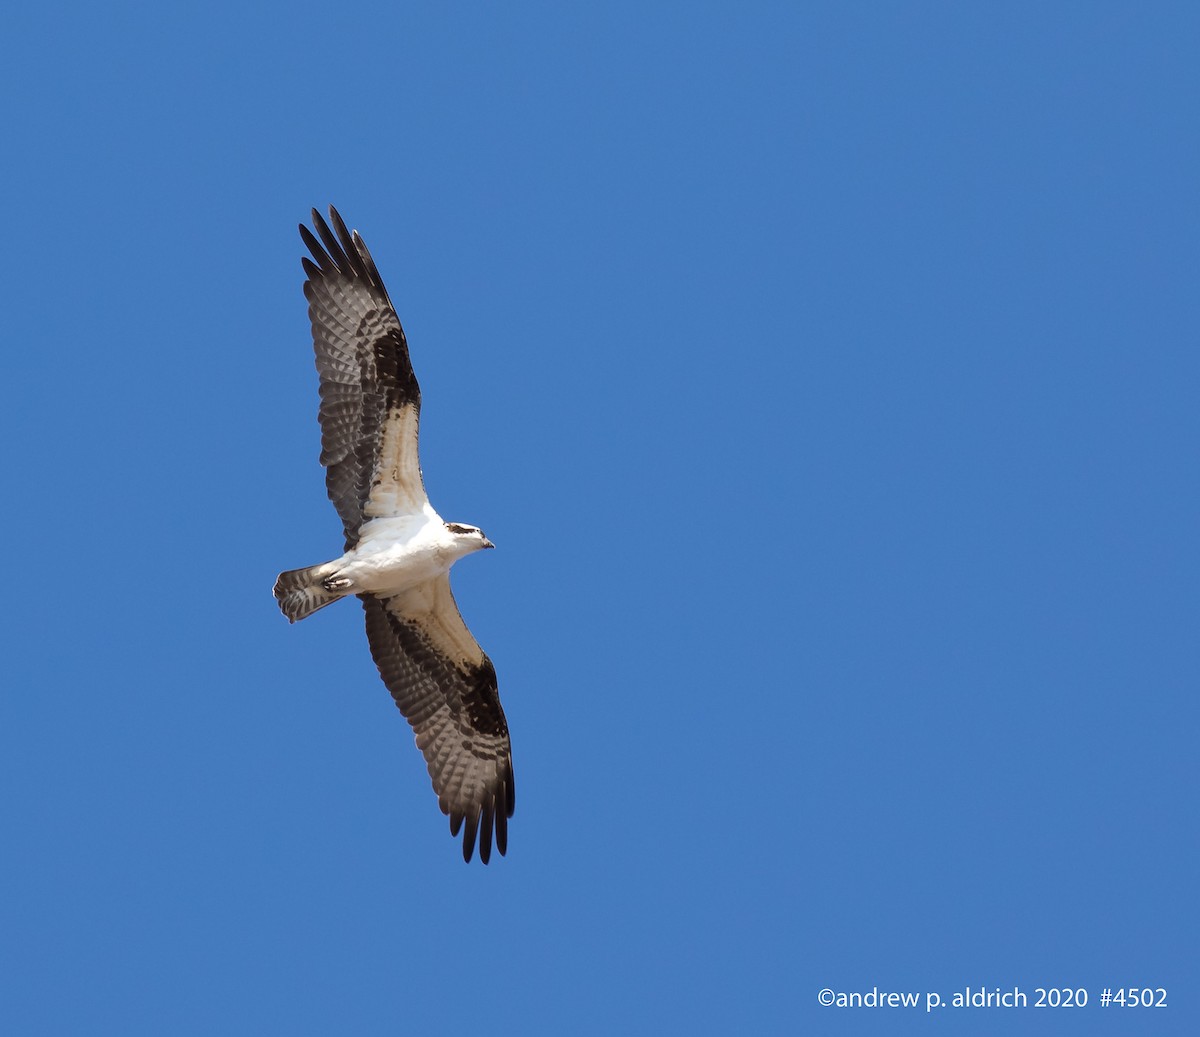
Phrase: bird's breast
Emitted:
{"points": [[393, 560]]}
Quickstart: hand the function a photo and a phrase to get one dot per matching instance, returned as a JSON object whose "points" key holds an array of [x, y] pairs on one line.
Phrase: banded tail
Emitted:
{"points": [[300, 592]]}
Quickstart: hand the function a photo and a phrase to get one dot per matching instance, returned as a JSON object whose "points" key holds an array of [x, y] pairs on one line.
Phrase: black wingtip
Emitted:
{"points": [[339, 225], [485, 833], [472, 830], [501, 832]]}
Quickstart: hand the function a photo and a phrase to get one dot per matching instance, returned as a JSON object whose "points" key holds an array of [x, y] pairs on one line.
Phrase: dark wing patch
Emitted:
{"points": [[366, 376], [454, 710]]}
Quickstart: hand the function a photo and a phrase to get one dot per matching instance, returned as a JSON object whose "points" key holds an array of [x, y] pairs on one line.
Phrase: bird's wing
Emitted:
{"points": [[370, 401], [445, 686]]}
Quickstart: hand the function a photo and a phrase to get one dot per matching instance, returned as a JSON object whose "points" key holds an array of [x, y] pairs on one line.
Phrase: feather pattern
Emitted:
{"points": [[445, 686], [370, 399]]}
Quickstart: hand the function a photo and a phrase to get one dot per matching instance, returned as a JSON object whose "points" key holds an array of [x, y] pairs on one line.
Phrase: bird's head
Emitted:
{"points": [[468, 538]]}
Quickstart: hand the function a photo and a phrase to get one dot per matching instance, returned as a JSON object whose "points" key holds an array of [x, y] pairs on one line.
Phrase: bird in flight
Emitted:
{"points": [[398, 550]]}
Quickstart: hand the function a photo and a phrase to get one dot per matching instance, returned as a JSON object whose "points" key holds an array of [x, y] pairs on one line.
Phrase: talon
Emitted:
{"points": [[336, 583]]}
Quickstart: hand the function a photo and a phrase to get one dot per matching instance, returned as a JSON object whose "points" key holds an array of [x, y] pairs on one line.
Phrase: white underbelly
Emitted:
{"points": [[394, 568]]}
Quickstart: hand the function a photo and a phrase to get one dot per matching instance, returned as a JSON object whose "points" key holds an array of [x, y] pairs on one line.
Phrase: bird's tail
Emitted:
{"points": [[300, 592]]}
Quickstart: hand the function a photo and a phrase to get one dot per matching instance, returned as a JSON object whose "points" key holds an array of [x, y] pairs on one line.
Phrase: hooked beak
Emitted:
{"points": [[487, 542]]}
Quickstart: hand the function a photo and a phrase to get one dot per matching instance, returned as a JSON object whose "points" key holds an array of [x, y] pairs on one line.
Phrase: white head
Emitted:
{"points": [[468, 538]]}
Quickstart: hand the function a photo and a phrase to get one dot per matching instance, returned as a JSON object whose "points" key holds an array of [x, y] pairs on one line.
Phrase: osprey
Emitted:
{"points": [[398, 550]]}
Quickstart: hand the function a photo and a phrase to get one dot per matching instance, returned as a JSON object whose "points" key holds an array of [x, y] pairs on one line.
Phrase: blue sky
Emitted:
{"points": [[826, 376]]}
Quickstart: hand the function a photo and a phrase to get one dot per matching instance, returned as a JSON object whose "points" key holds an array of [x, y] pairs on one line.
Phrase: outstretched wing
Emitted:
{"points": [[370, 401], [445, 686]]}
